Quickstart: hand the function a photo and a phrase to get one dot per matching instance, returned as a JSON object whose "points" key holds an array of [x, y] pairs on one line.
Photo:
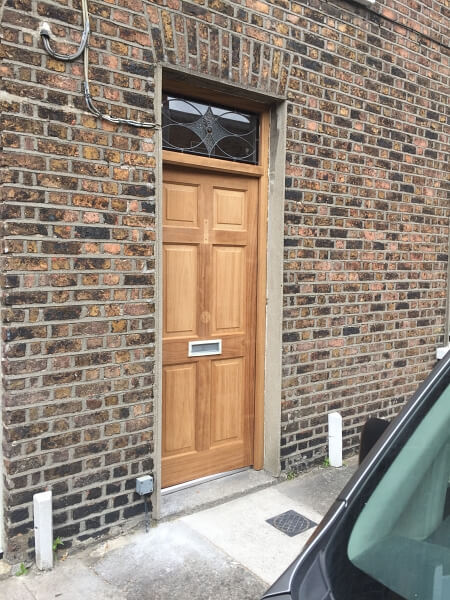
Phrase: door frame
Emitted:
{"points": [[2, 519], [270, 171]]}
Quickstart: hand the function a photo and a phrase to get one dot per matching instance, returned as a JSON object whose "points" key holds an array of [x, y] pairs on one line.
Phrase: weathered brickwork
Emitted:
{"points": [[78, 264], [366, 229], [367, 212]]}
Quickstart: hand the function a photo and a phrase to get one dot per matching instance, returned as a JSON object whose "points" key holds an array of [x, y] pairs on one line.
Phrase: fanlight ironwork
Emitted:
{"points": [[209, 130]]}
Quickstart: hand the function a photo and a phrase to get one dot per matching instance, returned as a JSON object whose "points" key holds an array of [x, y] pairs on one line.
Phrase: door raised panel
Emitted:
{"points": [[180, 289], [227, 393], [229, 209], [179, 408], [228, 289], [180, 205]]}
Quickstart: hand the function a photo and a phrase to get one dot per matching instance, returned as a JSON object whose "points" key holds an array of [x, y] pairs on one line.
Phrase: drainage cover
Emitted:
{"points": [[291, 523]]}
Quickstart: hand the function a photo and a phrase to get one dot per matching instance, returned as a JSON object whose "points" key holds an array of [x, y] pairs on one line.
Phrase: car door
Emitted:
{"points": [[387, 536]]}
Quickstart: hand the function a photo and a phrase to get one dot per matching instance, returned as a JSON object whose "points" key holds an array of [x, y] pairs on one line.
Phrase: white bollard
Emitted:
{"points": [[43, 530], [335, 439]]}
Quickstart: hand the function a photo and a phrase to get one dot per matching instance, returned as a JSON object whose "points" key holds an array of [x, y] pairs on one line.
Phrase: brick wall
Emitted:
{"points": [[366, 229], [366, 225], [78, 262]]}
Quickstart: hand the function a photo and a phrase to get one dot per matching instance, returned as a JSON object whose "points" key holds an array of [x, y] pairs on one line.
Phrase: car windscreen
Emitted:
{"points": [[401, 538]]}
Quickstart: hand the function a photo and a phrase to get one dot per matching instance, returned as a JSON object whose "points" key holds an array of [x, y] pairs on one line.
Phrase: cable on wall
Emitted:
{"points": [[84, 49], [45, 36]]}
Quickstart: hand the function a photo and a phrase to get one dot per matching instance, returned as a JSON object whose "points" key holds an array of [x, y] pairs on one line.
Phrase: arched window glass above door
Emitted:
{"points": [[209, 130]]}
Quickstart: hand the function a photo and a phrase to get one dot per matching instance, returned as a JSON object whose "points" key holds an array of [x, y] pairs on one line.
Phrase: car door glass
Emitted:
{"points": [[402, 535]]}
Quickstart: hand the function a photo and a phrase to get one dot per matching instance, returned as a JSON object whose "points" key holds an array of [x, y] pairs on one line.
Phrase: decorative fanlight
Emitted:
{"points": [[209, 130]]}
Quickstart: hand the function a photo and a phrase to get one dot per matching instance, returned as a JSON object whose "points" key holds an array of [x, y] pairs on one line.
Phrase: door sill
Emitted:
{"points": [[200, 494], [188, 484]]}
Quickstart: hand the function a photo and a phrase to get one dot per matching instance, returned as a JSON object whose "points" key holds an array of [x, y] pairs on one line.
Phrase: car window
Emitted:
{"points": [[402, 535]]}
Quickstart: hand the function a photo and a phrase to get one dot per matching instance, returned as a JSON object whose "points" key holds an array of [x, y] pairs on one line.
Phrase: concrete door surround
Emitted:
{"points": [[276, 108]]}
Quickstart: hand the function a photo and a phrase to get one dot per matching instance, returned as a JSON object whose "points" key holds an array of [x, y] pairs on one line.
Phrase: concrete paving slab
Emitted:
{"points": [[227, 552], [5, 570], [239, 528], [71, 580], [174, 561], [320, 487], [15, 589]]}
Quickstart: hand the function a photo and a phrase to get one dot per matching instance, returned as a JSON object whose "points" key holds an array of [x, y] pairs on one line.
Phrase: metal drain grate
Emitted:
{"points": [[291, 523]]}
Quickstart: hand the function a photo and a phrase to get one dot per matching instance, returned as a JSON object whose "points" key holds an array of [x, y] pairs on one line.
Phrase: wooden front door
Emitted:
{"points": [[210, 251]]}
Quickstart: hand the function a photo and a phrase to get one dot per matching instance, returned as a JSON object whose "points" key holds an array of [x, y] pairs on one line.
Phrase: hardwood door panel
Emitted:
{"points": [[227, 405], [181, 235], [229, 209], [192, 466], [232, 345], [180, 289], [179, 409], [210, 249], [229, 270], [181, 205]]}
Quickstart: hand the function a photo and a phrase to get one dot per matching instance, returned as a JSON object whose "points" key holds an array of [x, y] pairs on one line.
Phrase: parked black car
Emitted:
{"points": [[387, 536]]}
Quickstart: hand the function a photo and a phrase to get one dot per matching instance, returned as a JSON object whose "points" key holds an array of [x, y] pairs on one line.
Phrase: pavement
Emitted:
{"points": [[226, 551]]}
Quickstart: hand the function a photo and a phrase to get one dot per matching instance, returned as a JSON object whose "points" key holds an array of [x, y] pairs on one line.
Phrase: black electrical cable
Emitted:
{"points": [[95, 111], [45, 36], [84, 48]]}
